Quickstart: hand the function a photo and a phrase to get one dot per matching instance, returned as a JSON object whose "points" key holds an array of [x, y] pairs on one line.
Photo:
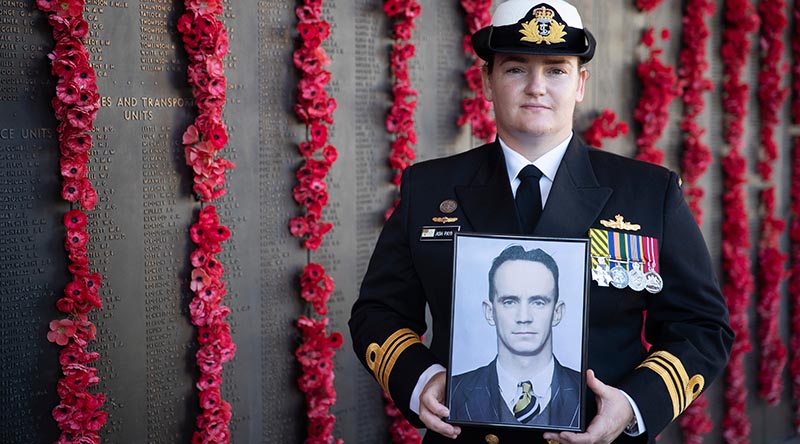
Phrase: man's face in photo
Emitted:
{"points": [[524, 308]]}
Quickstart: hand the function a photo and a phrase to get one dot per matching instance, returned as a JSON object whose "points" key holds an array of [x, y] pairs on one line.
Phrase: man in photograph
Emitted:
{"points": [[525, 383]]}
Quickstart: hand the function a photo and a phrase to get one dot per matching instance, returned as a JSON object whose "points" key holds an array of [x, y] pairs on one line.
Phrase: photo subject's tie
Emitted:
{"points": [[529, 198], [528, 405]]}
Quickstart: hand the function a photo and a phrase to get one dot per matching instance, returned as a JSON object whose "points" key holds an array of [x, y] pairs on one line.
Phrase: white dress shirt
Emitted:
{"points": [[511, 391]]}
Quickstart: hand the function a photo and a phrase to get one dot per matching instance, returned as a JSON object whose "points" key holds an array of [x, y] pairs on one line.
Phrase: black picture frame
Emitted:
{"points": [[473, 394]]}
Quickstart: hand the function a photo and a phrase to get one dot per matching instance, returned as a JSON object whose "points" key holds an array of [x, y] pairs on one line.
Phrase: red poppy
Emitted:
{"points": [[199, 280], [413, 10], [46, 5], [312, 90], [78, 28], [218, 234], [647, 5], [313, 272], [67, 92], [604, 126], [65, 70], [311, 60], [86, 330], [79, 119], [75, 142], [88, 195], [313, 242], [61, 331], [68, 8], [402, 30], [218, 314], [75, 219], [215, 86], [211, 294], [210, 398], [313, 32], [208, 380], [312, 169], [214, 268], [92, 282], [205, 6], [298, 226], [96, 421], [76, 240]]}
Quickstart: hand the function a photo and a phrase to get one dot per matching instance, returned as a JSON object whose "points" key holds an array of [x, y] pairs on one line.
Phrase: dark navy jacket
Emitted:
{"points": [[686, 323]]}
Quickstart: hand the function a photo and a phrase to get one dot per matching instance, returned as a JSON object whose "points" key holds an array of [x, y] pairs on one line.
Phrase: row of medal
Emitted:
{"points": [[621, 274]]}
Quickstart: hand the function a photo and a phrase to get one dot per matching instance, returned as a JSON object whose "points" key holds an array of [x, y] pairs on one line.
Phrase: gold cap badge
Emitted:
{"points": [[542, 28]]}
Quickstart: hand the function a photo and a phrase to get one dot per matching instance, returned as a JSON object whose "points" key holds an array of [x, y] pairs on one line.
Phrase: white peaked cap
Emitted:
{"points": [[512, 11]]}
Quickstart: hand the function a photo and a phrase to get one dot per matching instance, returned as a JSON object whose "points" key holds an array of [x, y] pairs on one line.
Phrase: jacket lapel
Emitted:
{"points": [[487, 201], [576, 199]]}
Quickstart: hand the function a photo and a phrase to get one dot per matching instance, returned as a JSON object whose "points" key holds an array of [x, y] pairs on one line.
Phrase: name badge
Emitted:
{"points": [[439, 233]]}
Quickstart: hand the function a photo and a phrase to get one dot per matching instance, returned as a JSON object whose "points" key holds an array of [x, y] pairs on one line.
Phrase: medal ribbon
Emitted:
{"points": [[618, 248], [598, 244], [634, 247], [651, 253]]}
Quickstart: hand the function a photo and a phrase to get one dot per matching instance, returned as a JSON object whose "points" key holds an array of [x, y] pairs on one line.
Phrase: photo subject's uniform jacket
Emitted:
{"points": [[686, 323], [476, 397]]}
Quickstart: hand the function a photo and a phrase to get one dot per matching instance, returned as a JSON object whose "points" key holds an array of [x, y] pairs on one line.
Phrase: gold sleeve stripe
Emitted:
{"points": [[677, 377], [381, 358], [682, 389], [668, 383]]}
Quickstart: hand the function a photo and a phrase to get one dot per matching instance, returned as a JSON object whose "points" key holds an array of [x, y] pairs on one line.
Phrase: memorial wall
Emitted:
{"points": [[139, 229]]}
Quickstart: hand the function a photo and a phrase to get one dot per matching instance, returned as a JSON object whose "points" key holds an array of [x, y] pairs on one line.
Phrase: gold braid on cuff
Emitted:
{"points": [[381, 358], [682, 389]]}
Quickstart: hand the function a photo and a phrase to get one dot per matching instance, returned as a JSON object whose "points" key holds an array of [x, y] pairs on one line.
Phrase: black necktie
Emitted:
{"points": [[529, 198]]}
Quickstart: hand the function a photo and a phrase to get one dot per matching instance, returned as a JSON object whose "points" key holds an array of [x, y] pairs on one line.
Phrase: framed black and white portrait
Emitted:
{"points": [[518, 334]]}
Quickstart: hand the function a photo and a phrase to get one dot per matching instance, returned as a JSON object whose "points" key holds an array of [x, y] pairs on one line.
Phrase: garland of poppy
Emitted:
{"points": [[400, 120], [695, 422], [206, 42], [794, 231], [771, 260], [76, 103], [740, 22], [401, 430], [652, 113], [315, 109], [604, 126], [691, 76], [658, 91], [476, 110], [400, 123]]}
